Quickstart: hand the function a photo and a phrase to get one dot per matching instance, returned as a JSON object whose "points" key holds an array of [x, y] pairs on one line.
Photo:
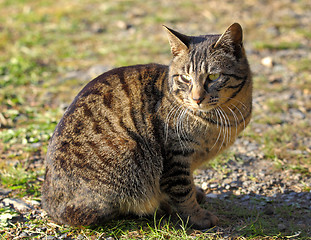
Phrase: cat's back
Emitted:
{"points": [[114, 107], [129, 83], [113, 92]]}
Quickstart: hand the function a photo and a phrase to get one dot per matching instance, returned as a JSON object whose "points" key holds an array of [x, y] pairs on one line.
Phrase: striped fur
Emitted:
{"points": [[131, 139]]}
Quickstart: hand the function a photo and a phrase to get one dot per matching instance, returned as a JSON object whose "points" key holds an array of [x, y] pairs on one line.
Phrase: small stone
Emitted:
{"points": [[296, 113], [204, 186], [23, 235], [274, 79], [36, 145], [97, 28], [234, 184], [212, 195], [267, 62], [122, 24], [63, 236], [50, 238], [4, 192], [109, 238], [246, 183], [18, 204], [213, 185], [226, 181], [80, 236], [297, 177], [34, 203]]}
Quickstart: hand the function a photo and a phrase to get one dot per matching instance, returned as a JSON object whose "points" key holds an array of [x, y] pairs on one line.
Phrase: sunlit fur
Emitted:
{"points": [[132, 138]]}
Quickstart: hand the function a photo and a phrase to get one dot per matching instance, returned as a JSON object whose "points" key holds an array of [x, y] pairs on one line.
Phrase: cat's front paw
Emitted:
{"points": [[203, 220]]}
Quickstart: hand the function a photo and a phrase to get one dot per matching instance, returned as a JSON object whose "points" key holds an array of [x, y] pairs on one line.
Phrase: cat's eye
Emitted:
{"points": [[186, 78], [213, 77]]}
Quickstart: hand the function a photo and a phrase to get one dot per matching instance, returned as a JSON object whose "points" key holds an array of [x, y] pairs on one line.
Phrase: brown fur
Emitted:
{"points": [[131, 139]]}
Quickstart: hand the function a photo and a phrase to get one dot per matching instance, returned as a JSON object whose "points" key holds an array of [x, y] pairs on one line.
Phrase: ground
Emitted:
{"points": [[260, 188]]}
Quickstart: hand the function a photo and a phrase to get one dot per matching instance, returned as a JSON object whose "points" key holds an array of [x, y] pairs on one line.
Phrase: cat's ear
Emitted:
{"points": [[233, 34], [179, 42]]}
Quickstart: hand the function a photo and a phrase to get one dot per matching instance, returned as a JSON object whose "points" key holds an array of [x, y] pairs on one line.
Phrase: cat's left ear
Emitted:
{"points": [[233, 34], [179, 42]]}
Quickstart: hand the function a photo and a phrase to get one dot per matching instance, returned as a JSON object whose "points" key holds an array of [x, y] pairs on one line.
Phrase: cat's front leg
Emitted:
{"points": [[177, 183], [201, 196]]}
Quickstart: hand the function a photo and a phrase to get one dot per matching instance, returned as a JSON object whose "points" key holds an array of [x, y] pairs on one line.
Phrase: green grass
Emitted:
{"points": [[123, 229], [24, 183], [277, 46]]}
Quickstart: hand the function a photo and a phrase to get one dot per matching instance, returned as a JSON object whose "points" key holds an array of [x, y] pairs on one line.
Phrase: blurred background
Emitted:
{"points": [[50, 49]]}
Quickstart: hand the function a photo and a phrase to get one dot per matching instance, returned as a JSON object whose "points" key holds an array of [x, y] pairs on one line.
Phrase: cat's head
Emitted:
{"points": [[206, 71]]}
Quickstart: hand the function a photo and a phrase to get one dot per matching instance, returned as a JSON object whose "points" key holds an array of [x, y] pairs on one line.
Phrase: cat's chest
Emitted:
{"points": [[210, 142]]}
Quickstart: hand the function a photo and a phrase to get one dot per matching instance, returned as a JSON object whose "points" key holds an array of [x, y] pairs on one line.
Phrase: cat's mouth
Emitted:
{"points": [[205, 105]]}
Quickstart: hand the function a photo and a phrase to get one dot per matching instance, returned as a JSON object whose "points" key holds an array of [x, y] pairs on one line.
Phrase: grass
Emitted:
{"points": [[129, 229], [21, 181], [277, 46], [42, 41]]}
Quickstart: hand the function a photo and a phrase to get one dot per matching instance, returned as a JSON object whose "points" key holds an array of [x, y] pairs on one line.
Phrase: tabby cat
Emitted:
{"points": [[132, 138]]}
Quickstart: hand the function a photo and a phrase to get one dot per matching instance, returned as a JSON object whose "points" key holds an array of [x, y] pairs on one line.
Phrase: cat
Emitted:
{"points": [[132, 138]]}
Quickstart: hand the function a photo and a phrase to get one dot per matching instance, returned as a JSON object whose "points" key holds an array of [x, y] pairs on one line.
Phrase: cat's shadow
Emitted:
{"points": [[238, 214]]}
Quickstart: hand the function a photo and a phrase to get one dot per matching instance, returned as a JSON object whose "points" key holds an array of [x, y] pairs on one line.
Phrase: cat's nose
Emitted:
{"points": [[197, 94], [198, 100]]}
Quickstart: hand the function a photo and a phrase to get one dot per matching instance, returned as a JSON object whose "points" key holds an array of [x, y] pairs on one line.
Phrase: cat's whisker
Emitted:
{"points": [[217, 120], [227, 124], [224, 129], [219, 133], [240, 114], [224, 122], [243, 105], [235, 120], [229, 127], [212, 116]]}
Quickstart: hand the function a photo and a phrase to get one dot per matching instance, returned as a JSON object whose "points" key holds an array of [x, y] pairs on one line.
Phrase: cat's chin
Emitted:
{"points": [[203, 109]]}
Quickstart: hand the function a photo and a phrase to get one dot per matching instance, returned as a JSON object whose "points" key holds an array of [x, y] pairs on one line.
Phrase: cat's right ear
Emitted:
{"points": [[179, 42], [233, 34]]}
